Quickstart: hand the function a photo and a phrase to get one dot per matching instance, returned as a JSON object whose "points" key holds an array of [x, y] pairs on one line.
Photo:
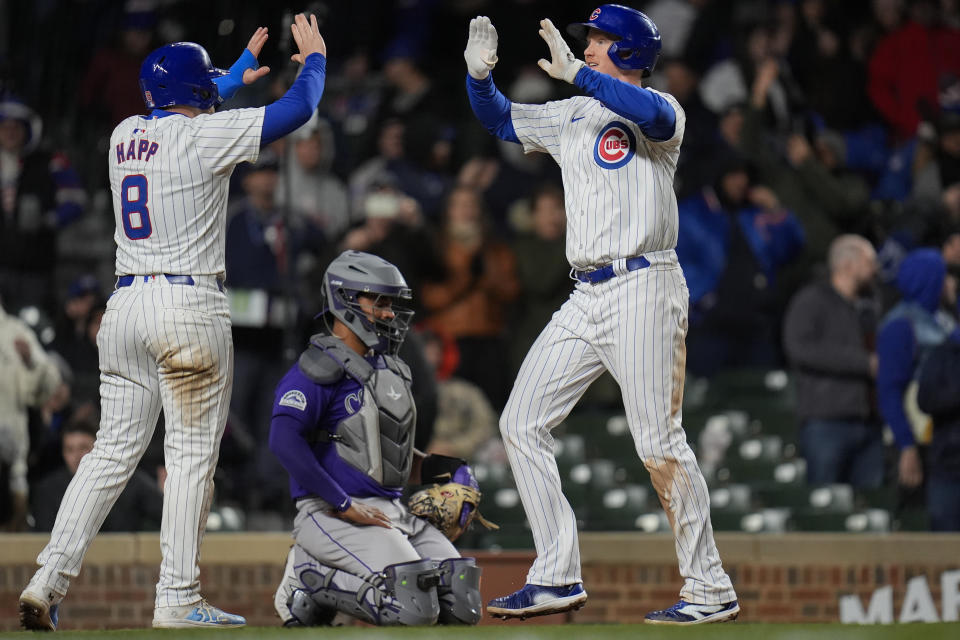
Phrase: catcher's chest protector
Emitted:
{"points": [[378, 438]]}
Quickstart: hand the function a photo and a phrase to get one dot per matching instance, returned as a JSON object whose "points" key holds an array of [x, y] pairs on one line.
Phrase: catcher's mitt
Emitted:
{"points": [[450, 507]]}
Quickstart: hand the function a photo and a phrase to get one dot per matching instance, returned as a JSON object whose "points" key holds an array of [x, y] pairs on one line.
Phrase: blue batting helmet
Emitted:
{"points": [[638, 46], [179, 73]]}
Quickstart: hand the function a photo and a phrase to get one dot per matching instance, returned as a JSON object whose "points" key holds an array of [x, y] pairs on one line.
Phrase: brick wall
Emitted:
{"points": [[798, 577]]}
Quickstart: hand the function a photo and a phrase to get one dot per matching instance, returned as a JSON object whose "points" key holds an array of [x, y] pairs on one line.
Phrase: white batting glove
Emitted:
{"points": [[564, 65], [481, 51]]}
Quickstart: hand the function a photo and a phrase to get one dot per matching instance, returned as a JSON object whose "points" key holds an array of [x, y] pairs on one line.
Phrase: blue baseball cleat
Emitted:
{"points": [[688, 613], [198, 614], [538, 600]]}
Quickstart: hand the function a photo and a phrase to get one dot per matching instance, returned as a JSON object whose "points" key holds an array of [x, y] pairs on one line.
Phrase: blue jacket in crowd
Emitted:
{"points": [[704, 240]]}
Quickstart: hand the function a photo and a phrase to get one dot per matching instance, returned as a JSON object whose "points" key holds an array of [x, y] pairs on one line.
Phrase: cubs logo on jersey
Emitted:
{"points": [[615, 146]]}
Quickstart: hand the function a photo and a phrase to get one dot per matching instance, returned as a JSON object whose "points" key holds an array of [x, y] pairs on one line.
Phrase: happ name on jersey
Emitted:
{"points": [[141, 149]]}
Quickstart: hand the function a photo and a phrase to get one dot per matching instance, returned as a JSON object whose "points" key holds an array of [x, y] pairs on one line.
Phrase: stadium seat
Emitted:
{"points": [[832, 498], [734, 498], [774, 520], [617, 509]]}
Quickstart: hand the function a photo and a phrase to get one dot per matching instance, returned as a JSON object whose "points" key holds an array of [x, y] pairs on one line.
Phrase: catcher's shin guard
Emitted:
{"points": [[459, 591], [413, 586], [307, 612], [401, 594]]}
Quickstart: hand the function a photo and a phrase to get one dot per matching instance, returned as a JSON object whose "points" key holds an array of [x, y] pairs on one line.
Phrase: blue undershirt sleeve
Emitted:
{"points": [[654, 115], [491, 107], [293, 451], [895, 344], [299, 102], [229, 84]]}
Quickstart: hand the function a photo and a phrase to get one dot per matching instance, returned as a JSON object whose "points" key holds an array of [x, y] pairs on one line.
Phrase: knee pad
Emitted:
{"points": [[401, 594], [459, 591]]}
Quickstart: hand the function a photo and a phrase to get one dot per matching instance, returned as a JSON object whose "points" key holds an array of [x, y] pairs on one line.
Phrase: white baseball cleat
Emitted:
{"points": [[198, 614], [38, 609], [538, 600], [688, 613]]}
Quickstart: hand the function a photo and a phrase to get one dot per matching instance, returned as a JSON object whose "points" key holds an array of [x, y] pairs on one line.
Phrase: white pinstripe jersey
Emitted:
{"points": [[618, 185], [169, 177]]}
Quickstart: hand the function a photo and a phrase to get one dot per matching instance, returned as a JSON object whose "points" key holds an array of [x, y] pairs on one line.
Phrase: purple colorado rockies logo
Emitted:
{"points": [[615, 146]]}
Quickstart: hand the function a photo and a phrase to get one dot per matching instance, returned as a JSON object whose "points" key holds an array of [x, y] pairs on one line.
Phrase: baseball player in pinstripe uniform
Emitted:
{"points": [[617, 148], [165, 340]]}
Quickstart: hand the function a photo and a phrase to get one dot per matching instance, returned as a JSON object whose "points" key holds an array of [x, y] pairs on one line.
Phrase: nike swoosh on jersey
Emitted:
{"points": [[575, 119]]}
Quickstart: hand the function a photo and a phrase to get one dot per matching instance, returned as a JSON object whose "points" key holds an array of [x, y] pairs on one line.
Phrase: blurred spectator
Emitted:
{"points": [[30, 379], [733, 238], [907, 335], [499, 169], [825, 338], [674, 20], [82, 296], [376, 169], [39, 194], [938, 394], [318, 197], [110, 90], [351, 98], [936, 183], [542, 269], [471, 302], [465, 421], [138, 508], [732, 81], [824, 199], [950, 249], [831, 70], [713, 32], [411, 95], [76, 340], [701, 143], [425, 171], [912, 67], [395, 230], [263, 251]]}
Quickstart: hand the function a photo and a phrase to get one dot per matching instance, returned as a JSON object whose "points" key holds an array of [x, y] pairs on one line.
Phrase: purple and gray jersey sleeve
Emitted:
{"points": [[298, 408]]}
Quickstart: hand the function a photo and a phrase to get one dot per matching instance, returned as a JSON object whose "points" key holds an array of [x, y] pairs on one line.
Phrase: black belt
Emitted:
{"points": [[604, 273], [172, 278]]}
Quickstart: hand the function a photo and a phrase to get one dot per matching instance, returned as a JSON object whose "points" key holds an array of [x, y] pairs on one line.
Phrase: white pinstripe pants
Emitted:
{"points": [[160, 345], [633, 325]]}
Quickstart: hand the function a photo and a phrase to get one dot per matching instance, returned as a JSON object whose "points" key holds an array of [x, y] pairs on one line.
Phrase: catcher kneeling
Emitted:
{"points": [[343, 427]]}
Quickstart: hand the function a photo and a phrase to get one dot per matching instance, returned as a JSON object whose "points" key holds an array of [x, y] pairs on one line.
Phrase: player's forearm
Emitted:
{"points": [[299, 102], [295, 455], [229, 84], [491, 107], [654, 115]]}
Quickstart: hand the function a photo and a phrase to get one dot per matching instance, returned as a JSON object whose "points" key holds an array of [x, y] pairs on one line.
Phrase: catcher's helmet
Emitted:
{"points": [[353, 273], [179, 74], [639, 43]]}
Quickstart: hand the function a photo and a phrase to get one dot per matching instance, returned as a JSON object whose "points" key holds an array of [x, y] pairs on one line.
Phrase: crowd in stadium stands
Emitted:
{"points": [[819, 203]]}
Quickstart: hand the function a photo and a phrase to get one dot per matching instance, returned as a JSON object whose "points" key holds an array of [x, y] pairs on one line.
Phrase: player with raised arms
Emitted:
{"points": [[165, 341], [617, 148]]}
